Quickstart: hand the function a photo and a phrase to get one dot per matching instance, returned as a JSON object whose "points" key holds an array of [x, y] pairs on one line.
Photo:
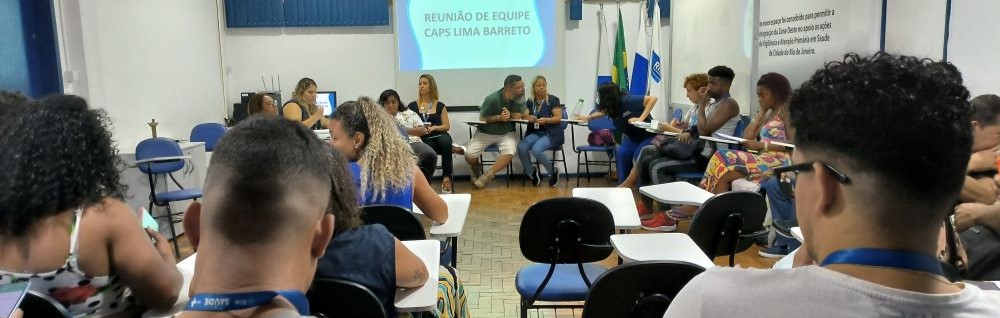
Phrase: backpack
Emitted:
{"points": [[601, 137]]}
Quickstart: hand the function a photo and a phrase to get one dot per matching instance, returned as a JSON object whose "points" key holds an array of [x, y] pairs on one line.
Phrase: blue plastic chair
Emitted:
{"points": [[158, 157], [209, 133], [678, 114], [595, 125], [563, 237]]}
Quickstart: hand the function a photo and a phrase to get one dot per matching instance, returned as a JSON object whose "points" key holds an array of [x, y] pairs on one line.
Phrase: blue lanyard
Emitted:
{"points": [[901, 259], [229, 302]]}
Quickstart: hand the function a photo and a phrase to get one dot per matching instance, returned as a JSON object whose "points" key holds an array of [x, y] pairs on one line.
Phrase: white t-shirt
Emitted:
{"points": [[813, 291]]}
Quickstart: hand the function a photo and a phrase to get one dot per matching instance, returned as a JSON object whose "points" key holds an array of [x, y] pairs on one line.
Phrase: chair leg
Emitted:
{"points": [[578, 172], [587, 160], [565, 168], [173, 232], [524, 308]]}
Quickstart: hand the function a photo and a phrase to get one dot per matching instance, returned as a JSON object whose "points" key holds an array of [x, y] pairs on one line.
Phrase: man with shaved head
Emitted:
{"points": [[263, 223]]}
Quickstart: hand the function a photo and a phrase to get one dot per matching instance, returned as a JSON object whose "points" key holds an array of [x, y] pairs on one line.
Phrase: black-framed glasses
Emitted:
{"points": [[786, 175]]}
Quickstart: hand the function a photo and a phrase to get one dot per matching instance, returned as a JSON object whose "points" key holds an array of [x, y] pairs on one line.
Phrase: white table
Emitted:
{"points": [[783, 144], [797, 233], [643, 125], [423, 298], [676, 193], [618, 200], [407, 300], [458, 212], [663, 132], [719, 140], [660, 247]]}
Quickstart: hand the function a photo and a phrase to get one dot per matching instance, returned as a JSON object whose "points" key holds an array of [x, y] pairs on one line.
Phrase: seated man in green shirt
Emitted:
{"points": [[497, 111]]}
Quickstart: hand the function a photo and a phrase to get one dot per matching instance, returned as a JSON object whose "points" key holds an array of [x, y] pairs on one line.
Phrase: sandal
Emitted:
{"points": [[678, 215], [446, 186]]}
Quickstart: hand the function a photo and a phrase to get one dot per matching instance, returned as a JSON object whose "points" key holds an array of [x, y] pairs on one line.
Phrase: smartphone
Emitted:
{"points": [[11, 296], [147, 220]]}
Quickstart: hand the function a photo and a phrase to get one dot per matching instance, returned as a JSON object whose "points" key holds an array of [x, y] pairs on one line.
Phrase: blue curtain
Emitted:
{"points": [[29, 58], [311, 13], [254, 13]]}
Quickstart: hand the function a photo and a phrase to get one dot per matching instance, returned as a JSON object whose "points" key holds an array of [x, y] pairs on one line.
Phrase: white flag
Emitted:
{"points": [[603, 54], [640, 60], [657, 64]]}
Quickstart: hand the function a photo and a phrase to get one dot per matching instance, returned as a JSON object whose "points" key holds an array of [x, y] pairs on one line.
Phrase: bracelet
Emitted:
{"points": [[766, 143]]}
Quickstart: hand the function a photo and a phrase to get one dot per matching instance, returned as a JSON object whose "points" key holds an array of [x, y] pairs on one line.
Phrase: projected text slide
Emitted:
{"points": [[462, 34]]}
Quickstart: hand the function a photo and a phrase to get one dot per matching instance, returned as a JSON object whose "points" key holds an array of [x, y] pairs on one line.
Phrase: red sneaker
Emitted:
{"points": [[660, 223], [643, 210]]}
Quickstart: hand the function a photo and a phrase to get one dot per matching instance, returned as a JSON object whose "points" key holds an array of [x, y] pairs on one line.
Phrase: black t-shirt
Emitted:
{"points": [[434, 119]]}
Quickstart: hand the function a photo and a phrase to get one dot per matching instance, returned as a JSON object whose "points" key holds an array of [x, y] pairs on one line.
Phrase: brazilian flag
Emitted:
{"points": [[619, 73]]}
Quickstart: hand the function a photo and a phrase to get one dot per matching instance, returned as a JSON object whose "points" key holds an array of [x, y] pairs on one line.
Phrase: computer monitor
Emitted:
{"points": [[327, 100]]}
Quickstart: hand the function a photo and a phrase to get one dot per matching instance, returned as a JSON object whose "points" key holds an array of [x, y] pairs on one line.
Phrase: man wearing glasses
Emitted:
{"points": [[881, 150]]}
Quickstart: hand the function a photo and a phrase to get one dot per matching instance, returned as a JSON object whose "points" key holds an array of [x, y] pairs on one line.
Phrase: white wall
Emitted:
{"points": [[147, 60], [708, 33], [855, 26], [915, 27], [975, 44], [350, 60]]}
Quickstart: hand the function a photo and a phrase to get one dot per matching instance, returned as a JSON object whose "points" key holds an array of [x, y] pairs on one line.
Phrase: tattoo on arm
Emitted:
{"points": [[419, 272]]}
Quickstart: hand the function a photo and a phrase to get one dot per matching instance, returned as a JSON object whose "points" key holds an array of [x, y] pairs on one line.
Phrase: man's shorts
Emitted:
{"points": [[507, 144]]}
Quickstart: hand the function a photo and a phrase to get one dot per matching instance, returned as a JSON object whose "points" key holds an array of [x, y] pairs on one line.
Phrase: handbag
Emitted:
{"points": [[681, 151]]}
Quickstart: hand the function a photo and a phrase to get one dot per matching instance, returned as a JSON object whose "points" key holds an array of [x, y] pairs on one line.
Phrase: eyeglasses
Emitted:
{"points": [[786, 182]]}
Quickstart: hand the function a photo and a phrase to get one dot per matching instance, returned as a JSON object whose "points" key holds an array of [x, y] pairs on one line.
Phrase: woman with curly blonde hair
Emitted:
{"points": [[384, 170], [381, 160]]}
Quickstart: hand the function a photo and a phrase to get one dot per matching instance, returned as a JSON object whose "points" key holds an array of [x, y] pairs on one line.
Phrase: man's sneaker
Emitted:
{"points": [[660, 223], [535, 177], [483, 180], [774, 252], [475, 172], [553, 177]]}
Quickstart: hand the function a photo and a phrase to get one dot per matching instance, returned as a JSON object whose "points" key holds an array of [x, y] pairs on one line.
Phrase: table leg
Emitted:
{"points": [[454, 252]]}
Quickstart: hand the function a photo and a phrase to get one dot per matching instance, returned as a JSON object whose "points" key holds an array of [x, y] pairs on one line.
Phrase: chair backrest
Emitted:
{"points": [[566, 231], [400, 222], [329, 297], [155, 148], [36, 304], [209, 133], [720, 221], [678, 114], [604, 122], [741, 125], [565, 115], [639, 289]]}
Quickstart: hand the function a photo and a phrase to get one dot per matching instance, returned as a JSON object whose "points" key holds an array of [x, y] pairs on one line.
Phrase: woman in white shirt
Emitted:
{"points": [[412, 127]]}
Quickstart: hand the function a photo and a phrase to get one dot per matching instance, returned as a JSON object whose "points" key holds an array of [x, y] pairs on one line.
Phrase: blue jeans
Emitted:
{"points": [[628, 151], [534, 144], [782, 208]]}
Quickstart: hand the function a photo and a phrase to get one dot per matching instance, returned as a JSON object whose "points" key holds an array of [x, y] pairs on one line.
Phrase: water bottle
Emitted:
{"points": [[579, 107]]}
